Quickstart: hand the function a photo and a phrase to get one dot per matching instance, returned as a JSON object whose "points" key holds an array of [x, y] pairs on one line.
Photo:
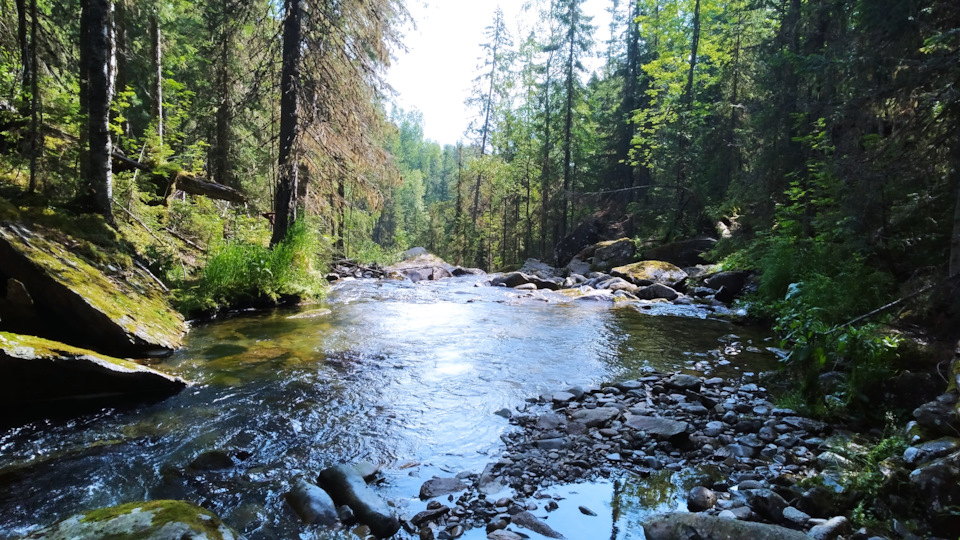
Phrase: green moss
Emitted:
{"points": [[164, 512], [20, 346], [129, 297], [8, 212]]}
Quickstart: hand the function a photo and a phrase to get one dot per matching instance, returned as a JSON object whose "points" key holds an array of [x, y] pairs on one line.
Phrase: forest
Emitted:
{"points": [[237, 150]]}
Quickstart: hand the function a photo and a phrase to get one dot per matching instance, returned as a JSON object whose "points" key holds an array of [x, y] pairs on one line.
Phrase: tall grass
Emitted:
{"points": [[242, 273]]}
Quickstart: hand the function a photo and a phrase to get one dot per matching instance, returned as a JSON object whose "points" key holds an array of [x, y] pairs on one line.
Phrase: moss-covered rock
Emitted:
{"points": [[153, 520], [649, 272], [78, 293], [38, 376]]}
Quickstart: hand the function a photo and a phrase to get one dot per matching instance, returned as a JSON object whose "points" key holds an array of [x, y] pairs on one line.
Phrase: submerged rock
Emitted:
{"points": [[39, 374], [153, 520], [529, 521], [686, 526], [120, 311], [440, 486], [347, 487]]}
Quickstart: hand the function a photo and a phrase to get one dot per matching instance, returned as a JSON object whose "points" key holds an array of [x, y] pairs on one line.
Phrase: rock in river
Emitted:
{"points": [[154, 520], [347, 487], [650, 272], [312, 504], [120, 309], [684, 526], [440, 486], [663, 428], [36, 373]]}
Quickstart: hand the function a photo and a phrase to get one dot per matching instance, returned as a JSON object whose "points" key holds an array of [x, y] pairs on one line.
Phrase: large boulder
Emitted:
{"points": [[38, 376], [683, 253], [649, 272], [420, 265], [312, 504], [52, 287], [346, 486], [608, 254], [153, 520], [681, 526], [596, 228]]}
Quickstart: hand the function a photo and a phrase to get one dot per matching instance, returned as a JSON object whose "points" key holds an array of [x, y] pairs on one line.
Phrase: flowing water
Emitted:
{"points": [[405, 376]]}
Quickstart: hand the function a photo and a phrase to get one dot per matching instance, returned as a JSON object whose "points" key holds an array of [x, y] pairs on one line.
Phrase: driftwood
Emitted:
{"points": [[183, 181]]}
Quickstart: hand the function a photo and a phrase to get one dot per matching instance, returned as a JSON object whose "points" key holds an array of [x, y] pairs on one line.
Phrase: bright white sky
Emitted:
{"points": [[436, 74]]}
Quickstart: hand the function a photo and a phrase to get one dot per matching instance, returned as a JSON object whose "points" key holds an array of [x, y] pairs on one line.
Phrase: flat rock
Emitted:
{"points": [[529, 521], [649, 272], [440, 486], [41, 376], [501, 534], [153, 520], [681, 526], [595, 417], [664, 428]]}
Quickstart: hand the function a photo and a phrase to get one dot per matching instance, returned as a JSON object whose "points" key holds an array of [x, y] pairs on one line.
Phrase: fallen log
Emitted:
{"points": [[169, 182]]}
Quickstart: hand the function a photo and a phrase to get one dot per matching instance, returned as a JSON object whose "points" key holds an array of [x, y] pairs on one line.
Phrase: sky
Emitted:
{"points": [[436, 73]]}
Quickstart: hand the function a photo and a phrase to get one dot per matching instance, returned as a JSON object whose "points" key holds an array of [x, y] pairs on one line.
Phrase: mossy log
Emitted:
{"points": [[170, 180]]}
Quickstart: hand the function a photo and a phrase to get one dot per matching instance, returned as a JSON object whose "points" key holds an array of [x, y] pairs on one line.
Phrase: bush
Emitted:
{"points": [[243, 273]]}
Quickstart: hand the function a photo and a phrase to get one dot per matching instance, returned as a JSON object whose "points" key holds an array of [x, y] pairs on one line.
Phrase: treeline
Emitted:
{"points": [[821, 124]]}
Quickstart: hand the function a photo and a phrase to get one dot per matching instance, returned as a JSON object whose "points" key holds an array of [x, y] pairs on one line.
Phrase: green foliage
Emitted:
{"points": [[241, 272], [874, 473]]}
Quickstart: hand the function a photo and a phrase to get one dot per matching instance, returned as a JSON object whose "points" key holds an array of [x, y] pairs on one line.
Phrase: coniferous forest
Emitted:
{"points": [[239, 149]]}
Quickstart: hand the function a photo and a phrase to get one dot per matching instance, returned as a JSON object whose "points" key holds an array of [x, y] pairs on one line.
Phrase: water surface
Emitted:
{"points": [[407, 376]]}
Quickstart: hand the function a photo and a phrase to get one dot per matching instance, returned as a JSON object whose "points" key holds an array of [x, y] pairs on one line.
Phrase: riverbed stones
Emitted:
{"points": [[663, 428], [700, 499], [312, 504], [529, 521], [595, 417], [831, 529], [645, 273], [436, 487], [153, 520], [346, 486], [939, 416]]}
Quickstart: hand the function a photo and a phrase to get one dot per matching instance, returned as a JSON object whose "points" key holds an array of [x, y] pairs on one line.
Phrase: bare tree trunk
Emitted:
{"points": [[954, 267], [24, 47], [221, 155], [568, 125], [36, 140], [156, 59], [486, 122], [340, 214], [286, 197], [100, 92], [545, 168], [688, 94]]}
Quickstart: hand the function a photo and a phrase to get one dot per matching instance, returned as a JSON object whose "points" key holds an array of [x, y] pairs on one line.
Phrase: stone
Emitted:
{"points": [[931, 450], [212, 460], [537, 268], [548, 422], [511, 279], [939, 416], [529, 521], [347, 487], [503, 535], [795, 517], [595, 417], [832, 460], [657, 291], [830, 530], [459, 271], [733, 282], [701, 499], [440, 486], [938, 483], [152, 520], [41, 376], [767, 503], [429, 515], [586, 511], [312, 504], [663, 428], [682, 253], [682, 381], [611, 253], [120, 312], [646, 273], [561, 398], [680, 526]]}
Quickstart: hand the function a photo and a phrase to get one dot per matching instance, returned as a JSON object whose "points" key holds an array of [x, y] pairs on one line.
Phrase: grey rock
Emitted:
{"points": [[767, 503], [931, 450], [832, 460], [440, 486], [586, 511], [663, 428], [552, 444], [682, 381], [938, 483], [429, 515], [347, 487], [796, 517], [686, 526], [830, 530], [701, 499], [595, 417], [529, 521], [562, 398], [939, 416], [657, 291], [312, 504], [511, 279], [503, 535]]}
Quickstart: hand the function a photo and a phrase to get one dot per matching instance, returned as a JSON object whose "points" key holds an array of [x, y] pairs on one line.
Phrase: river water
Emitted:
{"points": [[406, 376]]}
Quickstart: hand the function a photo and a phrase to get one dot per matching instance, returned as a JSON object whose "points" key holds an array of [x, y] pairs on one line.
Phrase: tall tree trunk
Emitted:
{"points": [[486, 121], [100, 91], [568, 124], [24, 50], [458, 232], [954, 267], [221, 155], [122, 54], [156, 61], [36, 141], [286, 200], [341, 214], [629, 103], [688, 93], [545, 166]]}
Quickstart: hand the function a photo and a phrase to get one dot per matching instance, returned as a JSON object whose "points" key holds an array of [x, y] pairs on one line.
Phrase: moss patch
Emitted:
{"points": [[164, 512], [20, 346], [106, 279]]}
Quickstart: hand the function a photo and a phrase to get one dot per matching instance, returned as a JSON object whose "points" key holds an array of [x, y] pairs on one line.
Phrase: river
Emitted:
{"points": [[406, 376]]}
